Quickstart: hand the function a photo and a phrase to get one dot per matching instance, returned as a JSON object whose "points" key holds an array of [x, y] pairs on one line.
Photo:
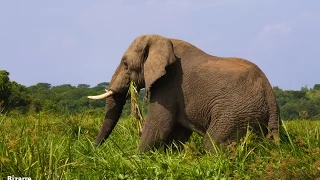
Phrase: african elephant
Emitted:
{"points": [[190, 91]]}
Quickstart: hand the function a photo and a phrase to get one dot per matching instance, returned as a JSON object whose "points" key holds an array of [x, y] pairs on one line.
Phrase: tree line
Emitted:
{"points": [[62, 99], [65, 98]]}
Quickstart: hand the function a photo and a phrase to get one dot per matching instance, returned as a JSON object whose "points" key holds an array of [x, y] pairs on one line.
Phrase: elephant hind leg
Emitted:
{"points": [[274, 125], [212, 139], [221, 133], [274, 122]]}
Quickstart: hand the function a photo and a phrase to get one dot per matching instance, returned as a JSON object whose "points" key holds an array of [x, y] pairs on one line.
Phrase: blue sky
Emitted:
{"points": [[81, 41]]}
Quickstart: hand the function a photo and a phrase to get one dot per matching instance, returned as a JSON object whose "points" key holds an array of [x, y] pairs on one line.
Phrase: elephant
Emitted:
{"points": [[190, 91]]}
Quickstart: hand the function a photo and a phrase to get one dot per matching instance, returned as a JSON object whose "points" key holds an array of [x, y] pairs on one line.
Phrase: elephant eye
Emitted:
{"points": [[125, 65]]}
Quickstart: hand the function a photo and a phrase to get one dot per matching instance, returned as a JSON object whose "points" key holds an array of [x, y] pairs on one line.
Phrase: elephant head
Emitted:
{"points": [[144, 62]]}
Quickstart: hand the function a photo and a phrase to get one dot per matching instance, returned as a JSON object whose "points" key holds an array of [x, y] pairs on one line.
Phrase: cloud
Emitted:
{"points": [[309, 17], [291, 44], [273, 35], [274, 30]]}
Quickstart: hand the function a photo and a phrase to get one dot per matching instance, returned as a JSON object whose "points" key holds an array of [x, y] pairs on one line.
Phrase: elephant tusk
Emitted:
{"points": [[101, 96]]}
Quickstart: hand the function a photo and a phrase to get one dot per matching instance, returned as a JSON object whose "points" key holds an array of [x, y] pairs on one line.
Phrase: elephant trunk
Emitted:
{"points": [[114, 106]]}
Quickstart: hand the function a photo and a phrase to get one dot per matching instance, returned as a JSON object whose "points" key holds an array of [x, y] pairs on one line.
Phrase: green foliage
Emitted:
{"points": [[5, 85], [49, 130], [83, 86], [316, 87], [66, 99], [43, 97], [19, 97], [60, 147], [303, 104]]}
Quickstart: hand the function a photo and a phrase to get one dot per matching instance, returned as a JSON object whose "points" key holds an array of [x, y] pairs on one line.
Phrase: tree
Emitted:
{"points": [[103, 84], [316, 87], [280, 95], [5, 87], [289, 111], [40, 87], [19, 97], [83, 86], [62, 88]]}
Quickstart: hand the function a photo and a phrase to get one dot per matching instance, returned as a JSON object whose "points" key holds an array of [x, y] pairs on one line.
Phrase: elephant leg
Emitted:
{"points": [[274, 125], [158, 125], [210, 143], [179, 135], [218, 134]]}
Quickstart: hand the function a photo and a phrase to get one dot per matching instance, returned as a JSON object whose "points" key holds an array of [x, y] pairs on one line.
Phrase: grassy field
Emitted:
{"points": [[60, 147]]}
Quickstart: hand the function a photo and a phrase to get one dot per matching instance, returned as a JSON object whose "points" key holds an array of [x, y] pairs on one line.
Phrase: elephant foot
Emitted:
{"points": [[274, 137]]}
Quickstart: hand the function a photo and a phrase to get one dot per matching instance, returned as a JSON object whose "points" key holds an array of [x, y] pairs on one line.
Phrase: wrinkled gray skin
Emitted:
{"points": [[191, 91]]}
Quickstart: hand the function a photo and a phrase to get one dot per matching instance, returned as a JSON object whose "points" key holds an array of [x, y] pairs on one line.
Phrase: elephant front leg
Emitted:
{"points": [[179, 135], [158, 125]]}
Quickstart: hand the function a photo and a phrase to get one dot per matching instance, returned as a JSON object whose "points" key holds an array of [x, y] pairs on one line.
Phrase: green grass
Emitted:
{"points": [[60, 147]]}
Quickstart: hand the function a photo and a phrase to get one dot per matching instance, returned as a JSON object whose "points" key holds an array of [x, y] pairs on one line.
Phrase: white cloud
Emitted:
{"points": [[310, 17], [271, 35], [274, 30]]}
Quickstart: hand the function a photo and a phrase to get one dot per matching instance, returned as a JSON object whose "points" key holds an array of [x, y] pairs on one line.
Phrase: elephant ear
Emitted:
{"points": [[159, 54]]}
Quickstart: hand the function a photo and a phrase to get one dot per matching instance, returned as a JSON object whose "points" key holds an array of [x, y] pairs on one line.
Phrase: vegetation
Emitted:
{"points": [[62, 99], [60, 147], [47, 132], [68, 99]]}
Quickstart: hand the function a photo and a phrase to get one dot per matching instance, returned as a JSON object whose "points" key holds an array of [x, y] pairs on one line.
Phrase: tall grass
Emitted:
{"points": [[135, 106], [60, 147]]}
